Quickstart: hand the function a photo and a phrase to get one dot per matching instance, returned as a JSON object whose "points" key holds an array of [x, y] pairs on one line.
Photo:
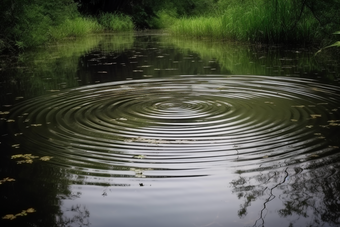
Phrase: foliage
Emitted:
{"points": [[34, 22], [74, 27], [115, 22], [26, 23], [336, 44], [30, 23], [262, 21]]}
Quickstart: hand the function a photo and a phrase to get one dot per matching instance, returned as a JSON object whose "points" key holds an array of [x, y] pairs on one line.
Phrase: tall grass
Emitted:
{"points": [[263, 21], [74, 27], [116, 22]]}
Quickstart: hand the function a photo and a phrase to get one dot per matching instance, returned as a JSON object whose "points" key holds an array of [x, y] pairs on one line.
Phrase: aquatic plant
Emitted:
{"points": [[336, 44]]}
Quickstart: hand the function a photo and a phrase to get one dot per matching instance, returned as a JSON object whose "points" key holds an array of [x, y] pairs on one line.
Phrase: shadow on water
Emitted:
{"points": [[149, 130]]}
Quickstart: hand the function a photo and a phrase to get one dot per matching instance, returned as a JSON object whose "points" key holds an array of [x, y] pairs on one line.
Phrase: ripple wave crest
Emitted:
{"points": [[182, 126]]}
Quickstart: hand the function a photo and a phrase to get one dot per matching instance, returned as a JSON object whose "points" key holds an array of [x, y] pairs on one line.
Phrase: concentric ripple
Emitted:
{"points": [[182, 126]]}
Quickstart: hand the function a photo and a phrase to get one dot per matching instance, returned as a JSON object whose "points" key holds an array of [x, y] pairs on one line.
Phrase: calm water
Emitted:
{"points": [[148, 130]]}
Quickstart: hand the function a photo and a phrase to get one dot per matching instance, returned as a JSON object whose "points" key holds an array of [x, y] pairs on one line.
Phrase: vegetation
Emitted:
{"points": [[264, 21], [30, 23]]}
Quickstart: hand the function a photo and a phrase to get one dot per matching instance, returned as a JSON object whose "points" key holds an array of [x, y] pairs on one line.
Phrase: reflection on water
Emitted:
{"points": [[152, 131]]}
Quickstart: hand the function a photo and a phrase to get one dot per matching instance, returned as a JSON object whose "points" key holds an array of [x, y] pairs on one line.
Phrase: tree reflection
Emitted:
{"points": [[80, 217], [312, 192]]}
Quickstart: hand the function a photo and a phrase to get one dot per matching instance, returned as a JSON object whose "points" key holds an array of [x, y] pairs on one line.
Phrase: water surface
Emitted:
{"points": [[148, 130]]}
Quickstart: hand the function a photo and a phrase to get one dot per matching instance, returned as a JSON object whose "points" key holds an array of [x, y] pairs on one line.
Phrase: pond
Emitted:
{"points": [[146, 129]]}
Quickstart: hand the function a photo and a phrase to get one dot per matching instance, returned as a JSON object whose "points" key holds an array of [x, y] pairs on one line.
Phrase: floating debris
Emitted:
{"points": [[7, 179], [157, 141], [36, 125], [315, 115], [22, 213], [313, 156], [28, 161], [300, 106], [10, 120], [28, 158], [139, 156], [46, 158], [25, 156], [53, 90]]}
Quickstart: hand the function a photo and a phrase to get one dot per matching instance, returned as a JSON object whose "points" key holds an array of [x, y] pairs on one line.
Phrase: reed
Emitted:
{"points": [[263, 21]]}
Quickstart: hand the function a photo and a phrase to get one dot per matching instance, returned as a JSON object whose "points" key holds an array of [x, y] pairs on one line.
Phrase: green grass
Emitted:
{"points": [[255, 22], [45, 31], [116, 22], [74, 27]]}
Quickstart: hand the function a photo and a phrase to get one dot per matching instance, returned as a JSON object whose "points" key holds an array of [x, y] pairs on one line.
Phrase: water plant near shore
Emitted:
{"points": [[284, 22]]}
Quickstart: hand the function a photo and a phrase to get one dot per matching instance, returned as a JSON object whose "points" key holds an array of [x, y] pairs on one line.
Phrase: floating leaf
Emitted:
{"points": [[333, 146], [22, 213], [9, 216], [266, 156], [333, 121], [313, 155], [46, 158], [294, 120], [30, 210], [26, 156], [28, 161], [7, 179], [315, 115], [139, 156], [36, 125], [5, 112]]}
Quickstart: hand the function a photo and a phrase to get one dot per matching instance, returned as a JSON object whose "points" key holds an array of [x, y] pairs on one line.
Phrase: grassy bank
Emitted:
{"points": [[260, 21], [37, 25], [81, 26]]}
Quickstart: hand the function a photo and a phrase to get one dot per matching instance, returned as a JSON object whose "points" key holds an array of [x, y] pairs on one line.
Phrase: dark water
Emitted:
{"points": [[148, 130]]}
